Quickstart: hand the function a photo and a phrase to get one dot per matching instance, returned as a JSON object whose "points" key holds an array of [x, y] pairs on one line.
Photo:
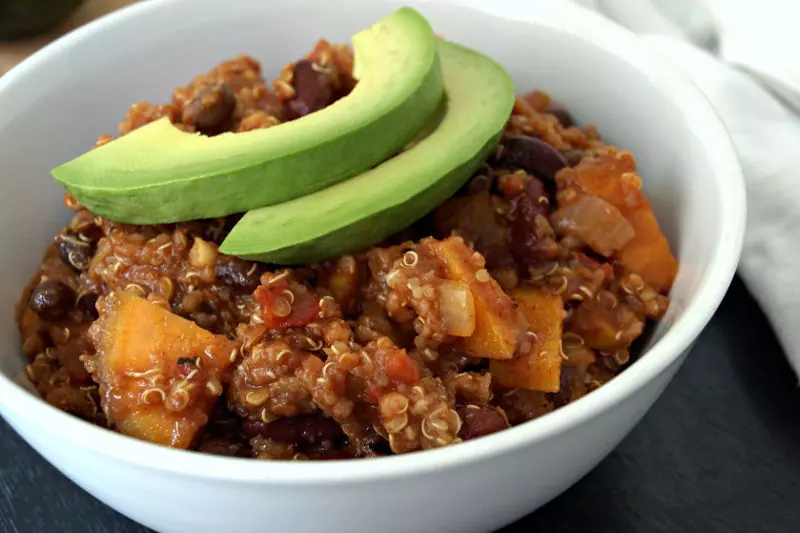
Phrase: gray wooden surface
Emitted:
{"points": [[719, 453]]}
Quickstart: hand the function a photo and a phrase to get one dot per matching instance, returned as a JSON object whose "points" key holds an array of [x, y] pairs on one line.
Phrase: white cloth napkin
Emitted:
{"points": [[743, 54]]}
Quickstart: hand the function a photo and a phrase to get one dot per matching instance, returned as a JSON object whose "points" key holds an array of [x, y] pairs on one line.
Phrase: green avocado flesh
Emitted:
{"points": [[159, 174], [364, 210]]}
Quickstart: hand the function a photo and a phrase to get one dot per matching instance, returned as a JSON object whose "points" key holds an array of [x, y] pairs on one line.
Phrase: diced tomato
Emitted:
{"points": [[400, 367], [373, 393], [304, 309]]}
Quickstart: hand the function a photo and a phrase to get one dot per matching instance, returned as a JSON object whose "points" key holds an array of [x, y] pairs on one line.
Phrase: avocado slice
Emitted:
{"points": [[159, 174], [366, 209]]}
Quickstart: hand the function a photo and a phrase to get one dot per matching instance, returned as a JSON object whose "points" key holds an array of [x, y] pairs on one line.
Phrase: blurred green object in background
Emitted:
{"points": [[25, 18]]}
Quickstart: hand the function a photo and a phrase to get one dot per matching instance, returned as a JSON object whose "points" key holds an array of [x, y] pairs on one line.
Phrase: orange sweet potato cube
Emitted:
{"points": [[648, 253], [159, 374], [540, 369], [613, 178], [498, 323]]}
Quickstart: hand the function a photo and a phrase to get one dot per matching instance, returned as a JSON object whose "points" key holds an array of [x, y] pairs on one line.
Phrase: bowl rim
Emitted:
{"points": [[561, 16]]}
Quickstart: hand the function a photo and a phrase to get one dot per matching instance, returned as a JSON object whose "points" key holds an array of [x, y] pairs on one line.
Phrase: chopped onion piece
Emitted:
{"points": [[596, 222], [457, 307]]}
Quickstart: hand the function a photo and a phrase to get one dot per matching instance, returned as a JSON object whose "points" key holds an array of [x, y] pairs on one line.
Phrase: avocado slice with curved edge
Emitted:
{"points": [[364, 210], [159, 173]]}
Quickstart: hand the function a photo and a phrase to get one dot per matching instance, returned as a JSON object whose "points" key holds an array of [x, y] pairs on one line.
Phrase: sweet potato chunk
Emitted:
{"points": [[540, 369], [606, 325], [342, 278], [498, 323], [159, 374], [613, 178], [648, 253]]}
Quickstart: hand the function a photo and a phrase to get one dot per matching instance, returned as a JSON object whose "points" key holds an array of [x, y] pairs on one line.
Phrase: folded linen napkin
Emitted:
{"points": [[742, 55]]}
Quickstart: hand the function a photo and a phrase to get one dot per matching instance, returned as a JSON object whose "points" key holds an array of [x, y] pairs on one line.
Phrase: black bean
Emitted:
{"points": [[51, 300], [313, 89], [211, 110], [88, 302], [74, 251], [238, 273], [478, 421], [533, 156]]}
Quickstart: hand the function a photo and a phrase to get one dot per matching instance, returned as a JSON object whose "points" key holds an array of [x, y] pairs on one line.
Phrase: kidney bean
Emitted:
{"points": [[529, 245], [563, 116], [211, 110], [572, 157], [532, 155], [223, 446], [238, 273], [311, 429], [313, 89], [478, 421]]}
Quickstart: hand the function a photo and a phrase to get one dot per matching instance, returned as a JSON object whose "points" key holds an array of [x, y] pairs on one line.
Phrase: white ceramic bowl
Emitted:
{"points": [[53, 106]]}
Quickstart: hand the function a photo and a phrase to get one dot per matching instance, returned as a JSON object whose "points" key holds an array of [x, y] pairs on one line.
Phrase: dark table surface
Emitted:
{"points": [[719, 452]]}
